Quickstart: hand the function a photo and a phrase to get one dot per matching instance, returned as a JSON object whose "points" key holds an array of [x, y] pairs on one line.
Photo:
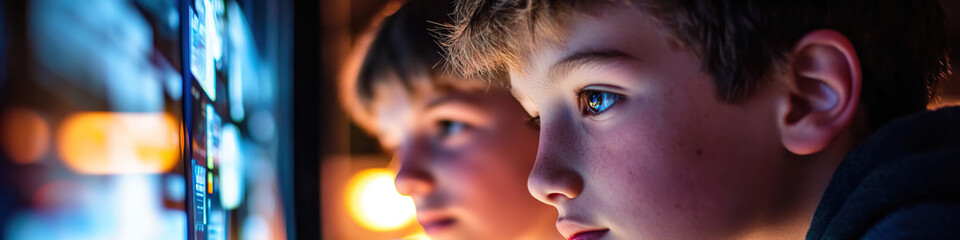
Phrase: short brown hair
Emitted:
{"points": [[403, 47], [901, 44]]}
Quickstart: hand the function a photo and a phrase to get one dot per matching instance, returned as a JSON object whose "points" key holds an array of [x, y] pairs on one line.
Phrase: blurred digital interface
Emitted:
{"points": [[139, 119]]}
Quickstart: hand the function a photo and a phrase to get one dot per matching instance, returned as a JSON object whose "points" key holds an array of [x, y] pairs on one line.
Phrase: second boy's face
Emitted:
{"points": [[464, 157], [635, 143]]}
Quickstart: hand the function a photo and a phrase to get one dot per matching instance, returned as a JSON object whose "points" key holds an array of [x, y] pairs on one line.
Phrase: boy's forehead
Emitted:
{"points": [[615, 32], [392, 85], [393, 97]]}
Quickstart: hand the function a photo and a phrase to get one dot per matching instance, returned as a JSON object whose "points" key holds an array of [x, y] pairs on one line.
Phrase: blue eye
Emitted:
{"points": [[596, 102], [449, 128]]}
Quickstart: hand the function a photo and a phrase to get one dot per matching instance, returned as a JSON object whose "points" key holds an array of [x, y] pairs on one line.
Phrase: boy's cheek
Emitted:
{"points": [[633, 132]]}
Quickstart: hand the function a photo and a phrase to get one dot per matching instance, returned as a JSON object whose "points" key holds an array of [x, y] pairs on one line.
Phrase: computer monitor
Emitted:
{"points": [[230, 112]]}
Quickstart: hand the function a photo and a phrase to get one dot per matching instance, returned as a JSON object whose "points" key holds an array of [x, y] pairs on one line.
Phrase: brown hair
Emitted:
{"points": [[405, 48], [901, 44]]}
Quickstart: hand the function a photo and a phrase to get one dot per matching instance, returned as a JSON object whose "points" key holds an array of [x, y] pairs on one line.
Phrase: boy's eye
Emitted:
{"points": [[450, 127], [595, 102]]}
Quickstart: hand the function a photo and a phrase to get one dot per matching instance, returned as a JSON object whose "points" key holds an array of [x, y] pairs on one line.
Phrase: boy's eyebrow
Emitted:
{"points": [[581, 58], [447, 98]]}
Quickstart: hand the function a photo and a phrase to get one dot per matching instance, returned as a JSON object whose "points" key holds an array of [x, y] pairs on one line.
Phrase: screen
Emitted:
{"points": [[231, 111], [206, 212]]}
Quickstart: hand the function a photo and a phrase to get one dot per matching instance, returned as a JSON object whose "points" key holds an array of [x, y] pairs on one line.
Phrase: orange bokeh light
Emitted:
{"points": [[25, 135], [374, 203], [119, 143]]}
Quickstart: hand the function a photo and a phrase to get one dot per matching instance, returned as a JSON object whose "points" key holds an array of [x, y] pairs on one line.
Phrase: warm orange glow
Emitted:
{"points": [[418, 236], [942, 103], [374, 202], [209, 183], [25, 135], [117, 143]]}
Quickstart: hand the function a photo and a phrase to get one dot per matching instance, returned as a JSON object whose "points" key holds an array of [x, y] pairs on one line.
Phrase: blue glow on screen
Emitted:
{"points": [[201, 58]]}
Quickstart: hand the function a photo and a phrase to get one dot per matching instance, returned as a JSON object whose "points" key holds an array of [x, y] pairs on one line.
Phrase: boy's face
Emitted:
{"points": [[635, 142], [464, 157]]}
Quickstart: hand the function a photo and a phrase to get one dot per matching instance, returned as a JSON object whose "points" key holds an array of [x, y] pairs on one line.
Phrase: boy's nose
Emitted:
{"points": [[413, 182], [554, 178], [414, 177], [552, 184]]}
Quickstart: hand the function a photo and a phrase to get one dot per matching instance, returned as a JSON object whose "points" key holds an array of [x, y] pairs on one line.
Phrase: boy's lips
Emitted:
{"points": [[573, 230], [433, 222], [590, 235]]}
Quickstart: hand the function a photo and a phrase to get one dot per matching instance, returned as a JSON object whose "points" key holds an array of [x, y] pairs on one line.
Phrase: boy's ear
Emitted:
{"points": [[824, 92]]}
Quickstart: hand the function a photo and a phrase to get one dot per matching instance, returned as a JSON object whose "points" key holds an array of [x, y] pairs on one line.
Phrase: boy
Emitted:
{"points": [[728, 119], [464, 149]]}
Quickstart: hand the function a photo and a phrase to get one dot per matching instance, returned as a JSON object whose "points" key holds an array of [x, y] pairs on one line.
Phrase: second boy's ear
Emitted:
{"points": [[824, 92]]}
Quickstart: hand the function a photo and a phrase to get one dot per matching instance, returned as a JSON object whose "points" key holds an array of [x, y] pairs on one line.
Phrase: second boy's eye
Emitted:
{"points": [[594, 102], [449, 127]]}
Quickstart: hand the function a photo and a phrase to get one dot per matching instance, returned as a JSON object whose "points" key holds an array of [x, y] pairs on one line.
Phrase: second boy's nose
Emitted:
{"points": [[414, 176]]}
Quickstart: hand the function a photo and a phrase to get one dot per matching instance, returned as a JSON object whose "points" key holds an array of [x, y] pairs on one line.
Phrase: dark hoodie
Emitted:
{"points": [[903, 182]]}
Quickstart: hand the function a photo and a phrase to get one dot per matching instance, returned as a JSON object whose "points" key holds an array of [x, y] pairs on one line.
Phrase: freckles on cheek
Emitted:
{"points": [[618, 157], [646, 157]]}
